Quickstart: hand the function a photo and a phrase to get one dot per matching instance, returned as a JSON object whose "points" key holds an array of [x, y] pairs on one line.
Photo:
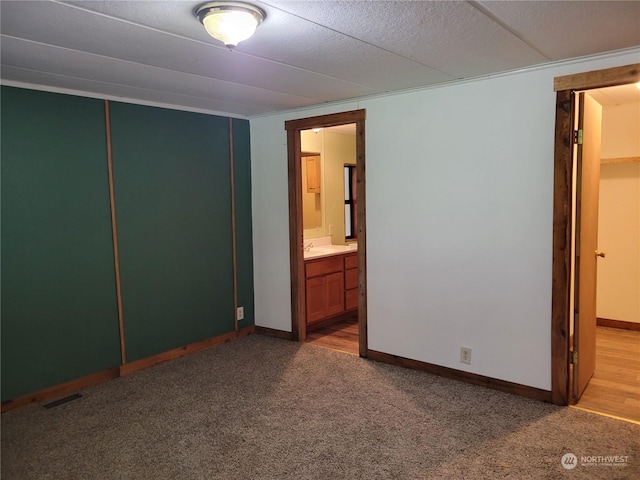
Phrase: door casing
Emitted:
{"points": [[294, 153], [562, 208]]}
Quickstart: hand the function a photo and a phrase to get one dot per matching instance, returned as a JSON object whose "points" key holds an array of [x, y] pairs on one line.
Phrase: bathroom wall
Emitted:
{"points": [[340, 148]]}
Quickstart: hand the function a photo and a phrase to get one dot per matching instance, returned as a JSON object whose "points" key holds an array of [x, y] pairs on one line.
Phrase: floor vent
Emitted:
{"points": [[62, 401]]}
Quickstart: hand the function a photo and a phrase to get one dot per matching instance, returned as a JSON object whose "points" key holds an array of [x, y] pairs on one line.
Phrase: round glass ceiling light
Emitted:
{"points": [[230, 22]]}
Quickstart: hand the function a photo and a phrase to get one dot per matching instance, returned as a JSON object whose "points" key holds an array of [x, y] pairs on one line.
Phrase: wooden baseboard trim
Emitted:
{"points": [[132, 367], [61, 390], [607, 322], [272, 332], [466, 377], [58, 391]]}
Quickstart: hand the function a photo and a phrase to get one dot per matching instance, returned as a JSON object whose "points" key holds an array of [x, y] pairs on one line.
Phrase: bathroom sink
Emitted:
{"points": [[323, 250]]}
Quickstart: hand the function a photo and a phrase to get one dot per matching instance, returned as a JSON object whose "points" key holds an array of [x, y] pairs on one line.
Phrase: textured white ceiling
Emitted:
{"points": [[304, 53]]}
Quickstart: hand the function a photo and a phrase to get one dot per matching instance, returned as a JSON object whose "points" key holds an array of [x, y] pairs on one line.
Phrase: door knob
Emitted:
{"points": [[601, 254]]}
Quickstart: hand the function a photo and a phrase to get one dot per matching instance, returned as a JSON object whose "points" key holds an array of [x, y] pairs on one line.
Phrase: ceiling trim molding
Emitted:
{"points": [[461, 81], [147, 103]]}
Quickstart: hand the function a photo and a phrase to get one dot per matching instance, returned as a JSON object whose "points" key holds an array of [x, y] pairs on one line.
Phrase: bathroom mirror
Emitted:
{"points": [[325, 151]]}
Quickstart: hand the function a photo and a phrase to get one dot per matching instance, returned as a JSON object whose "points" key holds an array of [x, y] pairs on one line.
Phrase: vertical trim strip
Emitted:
{"points": [[561, 267], [114, 233], [363, 340], [233, 227], [296, 254]]}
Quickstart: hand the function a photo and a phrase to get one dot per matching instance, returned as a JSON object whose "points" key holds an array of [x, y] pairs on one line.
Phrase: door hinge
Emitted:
{"points": [[574, 357], [577, 136]]}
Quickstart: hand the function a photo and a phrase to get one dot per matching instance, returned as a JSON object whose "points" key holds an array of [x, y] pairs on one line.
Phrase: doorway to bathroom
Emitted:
{"points": [[328, 271]]}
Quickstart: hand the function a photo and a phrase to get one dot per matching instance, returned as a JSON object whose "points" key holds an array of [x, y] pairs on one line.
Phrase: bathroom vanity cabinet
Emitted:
{"points": [[331, 286]]}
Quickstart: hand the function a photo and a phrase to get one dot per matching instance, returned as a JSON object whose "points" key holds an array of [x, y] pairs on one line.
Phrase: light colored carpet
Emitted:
{"points": [[264, 408]]}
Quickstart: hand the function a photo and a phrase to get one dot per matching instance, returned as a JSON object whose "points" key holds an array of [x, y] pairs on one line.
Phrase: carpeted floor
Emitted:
{"points": [[264, 408]]}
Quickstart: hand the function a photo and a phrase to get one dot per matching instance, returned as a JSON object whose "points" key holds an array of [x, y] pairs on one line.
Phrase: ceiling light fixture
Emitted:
{"points": [[230, 22]]}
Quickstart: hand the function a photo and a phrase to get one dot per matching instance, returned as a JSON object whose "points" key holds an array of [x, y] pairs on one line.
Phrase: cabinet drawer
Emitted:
{"points": [[321, 267], [351, 279], [351, 299], [351, 261]]}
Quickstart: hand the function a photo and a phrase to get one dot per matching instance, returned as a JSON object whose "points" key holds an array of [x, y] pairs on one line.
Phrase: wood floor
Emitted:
{"points": [[341, 336], [614, 389]]}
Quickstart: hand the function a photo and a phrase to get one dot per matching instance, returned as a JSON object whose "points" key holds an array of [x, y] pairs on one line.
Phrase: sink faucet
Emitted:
{"points": [[307, 247]]}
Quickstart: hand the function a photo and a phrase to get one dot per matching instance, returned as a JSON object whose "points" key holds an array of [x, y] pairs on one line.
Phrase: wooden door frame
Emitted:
{"points": [[562, 210], [296, 254]]}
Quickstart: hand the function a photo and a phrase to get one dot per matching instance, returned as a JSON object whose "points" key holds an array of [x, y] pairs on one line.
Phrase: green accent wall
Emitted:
{"points": [[244, 233], [172, 179], [173, 205], [59, 311]]}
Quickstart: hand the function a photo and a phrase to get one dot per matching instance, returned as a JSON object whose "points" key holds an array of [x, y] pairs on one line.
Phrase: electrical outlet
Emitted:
{"points": [[240, 313], [465, 355], [330, 229]]}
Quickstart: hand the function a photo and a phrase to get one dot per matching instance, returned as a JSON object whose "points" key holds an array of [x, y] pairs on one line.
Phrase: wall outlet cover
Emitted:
{"points": [[465, 355]]}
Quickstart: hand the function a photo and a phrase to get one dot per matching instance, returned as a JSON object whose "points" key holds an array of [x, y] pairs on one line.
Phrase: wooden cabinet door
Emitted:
{"points": [[314, 178], [316, 299], [335, 293]]}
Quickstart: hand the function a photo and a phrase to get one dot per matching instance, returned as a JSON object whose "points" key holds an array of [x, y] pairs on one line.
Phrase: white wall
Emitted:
{"points": [[459, 226], [459, 221]]}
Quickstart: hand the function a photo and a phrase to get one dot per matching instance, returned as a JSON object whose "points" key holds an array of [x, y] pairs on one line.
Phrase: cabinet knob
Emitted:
{"points": [[601, 254]]}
